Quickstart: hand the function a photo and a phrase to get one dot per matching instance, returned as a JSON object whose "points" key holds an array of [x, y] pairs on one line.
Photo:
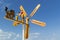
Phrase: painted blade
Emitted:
{"points": [[38, 23], [34, 11], [22, 9]]}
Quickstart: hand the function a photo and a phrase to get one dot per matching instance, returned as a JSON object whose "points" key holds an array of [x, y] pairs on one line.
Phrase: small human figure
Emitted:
{"points": [[9, 13], [12, 15]]}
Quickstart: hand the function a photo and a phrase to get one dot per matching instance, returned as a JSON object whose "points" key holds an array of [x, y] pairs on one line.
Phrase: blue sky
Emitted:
{"points": [[49, 12]]}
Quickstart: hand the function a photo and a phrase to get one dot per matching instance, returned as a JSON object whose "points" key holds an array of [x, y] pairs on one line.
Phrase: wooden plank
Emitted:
{"points": [[9, 19], [19, 21], [39, 23], [24, 12], [34, 11]]}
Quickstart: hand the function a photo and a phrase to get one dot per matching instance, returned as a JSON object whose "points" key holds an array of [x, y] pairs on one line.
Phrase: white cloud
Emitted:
{"points": [[8, 35], [17, 36], [53, 36], [1, 31], [34, 35]]}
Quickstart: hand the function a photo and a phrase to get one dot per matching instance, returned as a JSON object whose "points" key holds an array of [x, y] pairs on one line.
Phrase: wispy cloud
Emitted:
{"points": [[53, 36], [17, 37], [8, 35], [34, 35]]}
